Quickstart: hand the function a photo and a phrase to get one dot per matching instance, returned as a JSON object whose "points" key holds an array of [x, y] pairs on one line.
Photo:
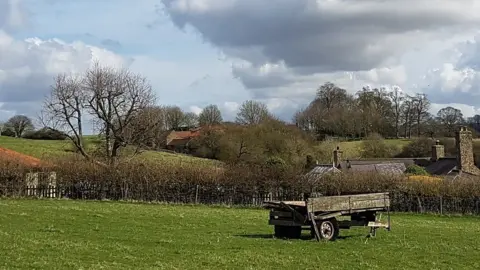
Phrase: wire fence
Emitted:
{"points": [[230, 195]]}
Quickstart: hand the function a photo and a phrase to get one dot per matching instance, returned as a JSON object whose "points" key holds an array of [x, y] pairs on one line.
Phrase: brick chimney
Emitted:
{"points": [[438, 151], [337, 157], [464, 143]]}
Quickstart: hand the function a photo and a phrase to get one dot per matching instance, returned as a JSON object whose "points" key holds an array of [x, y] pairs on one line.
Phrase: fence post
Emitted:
{"points": [[196, 194], [441, 205]]}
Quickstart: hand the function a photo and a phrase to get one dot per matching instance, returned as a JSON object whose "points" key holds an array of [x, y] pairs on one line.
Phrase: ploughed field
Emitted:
{"points": [[63, 234]]}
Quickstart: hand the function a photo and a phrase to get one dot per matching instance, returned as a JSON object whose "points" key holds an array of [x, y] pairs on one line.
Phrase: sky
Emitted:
{"points": [[223, 52]]}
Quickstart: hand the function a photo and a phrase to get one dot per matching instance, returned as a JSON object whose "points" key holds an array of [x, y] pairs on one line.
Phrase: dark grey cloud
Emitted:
{"points": [[322, 36]]}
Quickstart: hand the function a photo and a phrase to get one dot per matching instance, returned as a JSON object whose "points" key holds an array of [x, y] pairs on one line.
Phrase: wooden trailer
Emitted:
{"points": [[320, 215]]}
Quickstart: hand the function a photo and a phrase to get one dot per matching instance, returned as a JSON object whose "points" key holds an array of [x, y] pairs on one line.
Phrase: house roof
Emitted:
{"points": [[423, 161], [22, 159], [176, 142], [382, 168], [442, 166], [321, 170]]}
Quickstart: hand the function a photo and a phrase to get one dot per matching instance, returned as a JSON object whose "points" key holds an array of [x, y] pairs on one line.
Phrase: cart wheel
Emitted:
{"points": [[328, 229]]}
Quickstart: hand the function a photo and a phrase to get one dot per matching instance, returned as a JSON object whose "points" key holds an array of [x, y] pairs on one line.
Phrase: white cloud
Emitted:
{"points": [[195, 109], [27, 68]]}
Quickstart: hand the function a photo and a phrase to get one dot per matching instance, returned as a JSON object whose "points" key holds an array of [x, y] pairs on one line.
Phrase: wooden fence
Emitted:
{"points": [[214, 194]]}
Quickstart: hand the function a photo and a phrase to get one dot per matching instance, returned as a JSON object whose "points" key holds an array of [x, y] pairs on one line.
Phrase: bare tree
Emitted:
{"points": [[19, 124], [421, 105], [252, 113], [396, 98], [174, 117], [190, 119], [210, 115], [450, 118], [65, 107], [112, 98], [408, 115]]}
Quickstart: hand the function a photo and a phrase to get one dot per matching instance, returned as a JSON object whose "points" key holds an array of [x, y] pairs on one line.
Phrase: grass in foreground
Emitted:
{"points": [[44, 234]]}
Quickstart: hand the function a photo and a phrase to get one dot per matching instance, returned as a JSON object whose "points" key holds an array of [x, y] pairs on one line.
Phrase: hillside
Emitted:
{"points": [[352, 149], [45, 149]]}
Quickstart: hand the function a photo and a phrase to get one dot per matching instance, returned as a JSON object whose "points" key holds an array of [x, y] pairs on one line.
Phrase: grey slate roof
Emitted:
{"points": [[442, 166], [382, 168], [321, 170]]}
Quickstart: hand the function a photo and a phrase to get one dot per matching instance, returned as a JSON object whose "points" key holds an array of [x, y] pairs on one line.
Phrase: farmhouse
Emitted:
{"points": [[437, 164], [39, 174], [179, 141]]}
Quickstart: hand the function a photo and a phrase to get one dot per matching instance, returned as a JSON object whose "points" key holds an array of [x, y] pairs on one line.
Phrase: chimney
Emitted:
{"points": [[337, 157], [438, 151], [465, 161]]}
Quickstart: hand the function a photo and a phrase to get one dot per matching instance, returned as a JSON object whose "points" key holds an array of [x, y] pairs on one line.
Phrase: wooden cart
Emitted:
{"points": [[319, 215]]}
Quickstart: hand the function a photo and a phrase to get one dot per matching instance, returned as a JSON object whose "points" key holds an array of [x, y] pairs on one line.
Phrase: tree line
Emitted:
{"points": [[123, 108], [336, 112]]}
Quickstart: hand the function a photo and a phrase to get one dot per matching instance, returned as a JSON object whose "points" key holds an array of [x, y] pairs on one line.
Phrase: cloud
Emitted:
{"points": [[12, 14], [195, 109], [27, 67], [325, 35], [284, 49]]}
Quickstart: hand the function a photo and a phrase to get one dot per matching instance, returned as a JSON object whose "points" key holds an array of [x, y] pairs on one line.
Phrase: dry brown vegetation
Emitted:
{"points": [[154, 182]]}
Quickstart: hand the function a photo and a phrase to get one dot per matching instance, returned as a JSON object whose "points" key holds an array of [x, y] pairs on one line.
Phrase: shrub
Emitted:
{"points": [[421, 147], [45, 134], [8, 132], [416, 170], [375, 146]]}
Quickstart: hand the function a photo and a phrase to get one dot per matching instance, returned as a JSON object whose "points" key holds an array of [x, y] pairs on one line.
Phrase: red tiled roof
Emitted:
{"points": [[25, 160]]}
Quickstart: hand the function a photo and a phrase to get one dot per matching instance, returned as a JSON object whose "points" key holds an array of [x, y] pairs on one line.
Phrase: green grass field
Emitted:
{"points": [[45, 149], [61, 234], [352, 149]]}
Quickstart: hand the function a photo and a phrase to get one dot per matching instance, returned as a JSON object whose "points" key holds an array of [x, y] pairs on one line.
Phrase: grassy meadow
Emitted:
{"points": [[62, 234], [45, 149], [352, 149]]}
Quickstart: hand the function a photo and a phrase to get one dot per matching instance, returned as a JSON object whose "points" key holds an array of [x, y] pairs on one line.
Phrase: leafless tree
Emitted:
{"points": [[397, 98], [210, 115], [252, 113], [174, 117], [19, 124], [65, 107], [450, 118], [113, 98], [190, 120], [421, 105]]}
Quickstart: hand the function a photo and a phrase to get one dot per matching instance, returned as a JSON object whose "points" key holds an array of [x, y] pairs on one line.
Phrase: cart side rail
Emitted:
{"points": [[350, 203]]}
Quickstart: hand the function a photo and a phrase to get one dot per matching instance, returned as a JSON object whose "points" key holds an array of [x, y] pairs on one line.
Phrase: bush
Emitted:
{"points": [[421, 147], [374, 146], [416, 170], [8, 132], [242, 183], [46, 134]]}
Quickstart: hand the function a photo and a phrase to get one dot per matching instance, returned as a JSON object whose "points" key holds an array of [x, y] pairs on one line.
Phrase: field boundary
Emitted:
{"points": [[230, 196]]}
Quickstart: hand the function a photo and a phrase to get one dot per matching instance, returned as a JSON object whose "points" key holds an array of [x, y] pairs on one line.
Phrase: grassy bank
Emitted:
{"points": [[46, 149], [44, 234]]}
